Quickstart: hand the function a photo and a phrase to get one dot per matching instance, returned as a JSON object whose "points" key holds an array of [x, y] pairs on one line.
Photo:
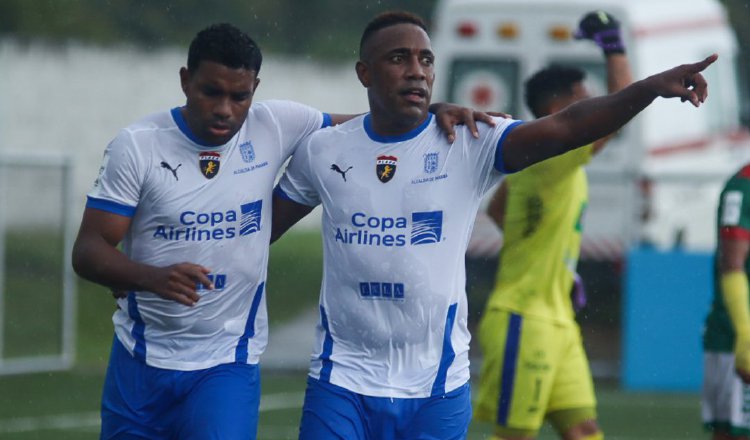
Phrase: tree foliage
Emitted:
{"points": [[321, 28]]}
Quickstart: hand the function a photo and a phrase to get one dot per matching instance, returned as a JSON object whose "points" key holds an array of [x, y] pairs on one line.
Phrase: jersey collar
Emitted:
{"points": [[398, 138], [185, 129]]}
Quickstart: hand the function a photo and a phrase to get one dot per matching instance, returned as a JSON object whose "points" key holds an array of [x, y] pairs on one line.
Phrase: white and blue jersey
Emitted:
{"points": [[397, 215], [208, 205]]}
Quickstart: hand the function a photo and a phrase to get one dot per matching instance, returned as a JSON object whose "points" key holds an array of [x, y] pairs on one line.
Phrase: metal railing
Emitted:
{"points": [[40, 163]]}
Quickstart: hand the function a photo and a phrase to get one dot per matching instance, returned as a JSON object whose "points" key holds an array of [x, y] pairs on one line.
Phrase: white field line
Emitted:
{"points": [[55, 422], [270, 402]]}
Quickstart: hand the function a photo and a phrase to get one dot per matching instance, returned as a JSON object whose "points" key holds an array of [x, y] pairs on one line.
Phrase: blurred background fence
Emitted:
{"points": [[37, 285]]}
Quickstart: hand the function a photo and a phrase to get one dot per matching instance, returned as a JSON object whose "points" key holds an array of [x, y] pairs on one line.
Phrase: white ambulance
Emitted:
{"points": [[659, 179]]}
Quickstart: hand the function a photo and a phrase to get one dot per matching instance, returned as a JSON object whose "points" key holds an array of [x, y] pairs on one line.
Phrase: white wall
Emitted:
{"points": [[73, 99]]}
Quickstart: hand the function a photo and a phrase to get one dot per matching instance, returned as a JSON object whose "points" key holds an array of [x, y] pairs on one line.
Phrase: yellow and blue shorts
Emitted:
{"points": [[532, 369]]}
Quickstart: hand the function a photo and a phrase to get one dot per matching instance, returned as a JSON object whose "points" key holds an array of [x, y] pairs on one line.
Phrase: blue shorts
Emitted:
{"points": [[333, 412], [143, 402]]}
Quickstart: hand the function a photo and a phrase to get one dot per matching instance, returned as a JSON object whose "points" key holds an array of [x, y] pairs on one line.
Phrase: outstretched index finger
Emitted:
{"points": [[700, 66]]}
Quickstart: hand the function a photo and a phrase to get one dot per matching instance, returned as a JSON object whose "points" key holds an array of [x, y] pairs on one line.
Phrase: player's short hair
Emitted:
{"points": [[549, 83], [226, 45], [386, 19]]}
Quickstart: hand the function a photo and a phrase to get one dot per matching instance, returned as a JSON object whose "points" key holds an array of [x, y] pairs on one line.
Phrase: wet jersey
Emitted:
{"points": [[397, 215], [208, 205]]}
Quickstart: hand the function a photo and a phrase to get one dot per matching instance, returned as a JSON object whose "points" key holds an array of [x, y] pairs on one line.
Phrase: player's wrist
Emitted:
{"points": [[610, 42]]}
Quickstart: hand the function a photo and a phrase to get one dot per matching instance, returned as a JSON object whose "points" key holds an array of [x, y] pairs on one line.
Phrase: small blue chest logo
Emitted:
{"points": [[430, 162], [247, 151]]}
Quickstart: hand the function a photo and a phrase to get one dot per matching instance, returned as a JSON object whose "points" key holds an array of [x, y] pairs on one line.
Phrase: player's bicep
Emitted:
{"points": [[105, 225], [533, 142], [98, 236]]}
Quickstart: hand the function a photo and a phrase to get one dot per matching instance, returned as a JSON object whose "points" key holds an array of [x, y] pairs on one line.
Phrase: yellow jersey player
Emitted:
{"points": [[534, 363]]}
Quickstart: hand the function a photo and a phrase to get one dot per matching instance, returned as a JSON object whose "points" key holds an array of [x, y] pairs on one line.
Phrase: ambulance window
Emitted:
{"points": [[485, 84]]}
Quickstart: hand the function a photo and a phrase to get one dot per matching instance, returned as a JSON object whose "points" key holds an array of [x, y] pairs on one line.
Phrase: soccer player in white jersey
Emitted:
{"points": [[187, 193], [391, 357]]}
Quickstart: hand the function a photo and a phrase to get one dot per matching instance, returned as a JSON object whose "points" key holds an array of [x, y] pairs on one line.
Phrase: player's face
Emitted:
{"points": [[397, 69], [218, 99]]}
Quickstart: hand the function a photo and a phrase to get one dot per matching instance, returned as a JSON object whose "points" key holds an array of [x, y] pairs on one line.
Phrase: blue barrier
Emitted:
{"points": [[667, 296]]}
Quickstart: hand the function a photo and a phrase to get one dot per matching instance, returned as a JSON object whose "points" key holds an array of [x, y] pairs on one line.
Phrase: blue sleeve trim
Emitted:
{"points": [[109, 206], [327, 122], [499, 163]]}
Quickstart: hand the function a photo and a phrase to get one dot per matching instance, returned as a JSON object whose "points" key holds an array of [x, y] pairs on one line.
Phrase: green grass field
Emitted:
{"points": [[64, 405]]}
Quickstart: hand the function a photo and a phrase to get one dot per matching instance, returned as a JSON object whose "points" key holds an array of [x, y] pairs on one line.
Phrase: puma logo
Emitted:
{"points": [[173, 170], [336, 168]]}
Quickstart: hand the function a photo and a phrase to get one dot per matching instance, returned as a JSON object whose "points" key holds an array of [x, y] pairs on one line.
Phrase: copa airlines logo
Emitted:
{"points": [[366, 230], [427, 227], [251, 217], [214, 225]]}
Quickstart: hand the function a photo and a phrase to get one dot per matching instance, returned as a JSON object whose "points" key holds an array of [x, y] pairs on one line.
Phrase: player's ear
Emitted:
{"points": [[184, 79], [363, 73], [255, 87]]}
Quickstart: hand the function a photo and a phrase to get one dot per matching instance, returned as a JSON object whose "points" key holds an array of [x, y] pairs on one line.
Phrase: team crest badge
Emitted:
{"points": [[385, 168], [209, 162], [247, 151]]}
